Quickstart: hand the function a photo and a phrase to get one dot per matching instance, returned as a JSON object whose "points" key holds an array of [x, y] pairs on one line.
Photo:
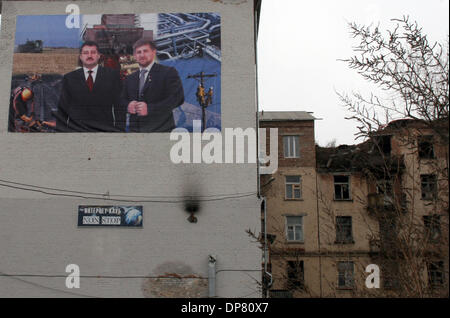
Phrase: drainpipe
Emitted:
{"points": [[212, 276], [266, 274], [318, 230]]}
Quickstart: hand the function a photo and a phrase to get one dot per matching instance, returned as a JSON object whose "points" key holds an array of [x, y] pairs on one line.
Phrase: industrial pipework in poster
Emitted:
{"points": [[122, 73]]}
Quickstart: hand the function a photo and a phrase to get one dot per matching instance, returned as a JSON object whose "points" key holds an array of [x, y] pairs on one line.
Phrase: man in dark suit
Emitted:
{"points": [[150, 94], [89, 99]]}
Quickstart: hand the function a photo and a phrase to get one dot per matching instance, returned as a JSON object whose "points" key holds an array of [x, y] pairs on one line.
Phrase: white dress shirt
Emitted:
{"points": [[94, 72]]}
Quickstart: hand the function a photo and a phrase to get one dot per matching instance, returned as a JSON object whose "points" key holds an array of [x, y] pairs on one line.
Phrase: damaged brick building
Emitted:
{"points": [[331, 212]]}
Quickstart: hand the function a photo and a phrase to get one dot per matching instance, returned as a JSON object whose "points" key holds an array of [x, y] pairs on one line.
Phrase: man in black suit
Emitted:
{"points": [[89, 99], [150, 94]]}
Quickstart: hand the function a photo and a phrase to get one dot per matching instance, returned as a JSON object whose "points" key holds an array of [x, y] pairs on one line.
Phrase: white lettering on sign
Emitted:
{"points": [[91, 219], [111, 220]]}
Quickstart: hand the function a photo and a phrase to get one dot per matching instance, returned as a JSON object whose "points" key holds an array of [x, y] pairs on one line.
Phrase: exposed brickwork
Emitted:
{"points": [[175, 287], [305, 130]]}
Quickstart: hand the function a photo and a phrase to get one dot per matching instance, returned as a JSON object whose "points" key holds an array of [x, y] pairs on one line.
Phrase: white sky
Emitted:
{"points": [[300, 42]]}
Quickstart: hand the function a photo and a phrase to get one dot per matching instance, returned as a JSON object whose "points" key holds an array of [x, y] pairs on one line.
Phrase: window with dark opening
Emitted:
{"points": [[436, 273], [295, 274], [426, 149], [428, 186], [384, 144], [345, 274], [344, 229], [432, 225], [341, 187]]}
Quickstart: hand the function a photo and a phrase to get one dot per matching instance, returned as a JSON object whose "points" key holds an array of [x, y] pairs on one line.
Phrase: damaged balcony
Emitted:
{"points": [[382, 203]]}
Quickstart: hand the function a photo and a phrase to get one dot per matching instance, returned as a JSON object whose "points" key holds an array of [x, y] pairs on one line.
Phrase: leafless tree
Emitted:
{"points": [[414, 74]]}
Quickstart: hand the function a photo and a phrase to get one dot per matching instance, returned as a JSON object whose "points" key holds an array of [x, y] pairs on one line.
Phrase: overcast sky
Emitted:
{"points": [[300, 42]]}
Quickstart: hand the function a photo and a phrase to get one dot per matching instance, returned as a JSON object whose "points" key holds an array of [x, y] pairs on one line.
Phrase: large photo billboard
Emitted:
{"points": [[151, 72]]}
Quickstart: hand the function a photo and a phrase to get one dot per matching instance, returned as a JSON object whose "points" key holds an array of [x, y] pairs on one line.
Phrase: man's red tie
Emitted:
{"points": [[90, 81]]}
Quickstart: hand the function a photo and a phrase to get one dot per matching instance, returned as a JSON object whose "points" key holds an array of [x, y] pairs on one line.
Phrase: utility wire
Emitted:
{"points": [[121, 195], [46, 287], [2, 274], [108, 197], [98, 276]]}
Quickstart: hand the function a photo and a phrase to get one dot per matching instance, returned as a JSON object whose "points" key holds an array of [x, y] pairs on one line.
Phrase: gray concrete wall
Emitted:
{"points": [[39, 233]]}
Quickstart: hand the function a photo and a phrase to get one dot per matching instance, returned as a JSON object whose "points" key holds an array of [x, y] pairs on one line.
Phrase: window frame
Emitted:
{"points": [[348, 183], [345, 275], [430, 187], [294, 225], [287, 153], [432, 225], [295, 274], [294, 186], [438, 271], [385, 187], [340, 231], [425, 141]]}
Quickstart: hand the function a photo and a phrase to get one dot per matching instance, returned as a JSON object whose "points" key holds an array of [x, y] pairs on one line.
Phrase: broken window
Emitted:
{"points": [[293, 187], [344, 229], [294, 228], [295, 274], [436, 273], [341, 187], [383, 144], [345, 274], [391, 275], [291, 146], [388, 235], [428, 186], [385, 188], [432, 225], [426, 149]]}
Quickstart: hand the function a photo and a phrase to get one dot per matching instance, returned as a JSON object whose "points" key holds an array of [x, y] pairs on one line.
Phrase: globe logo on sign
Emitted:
{"points": [[133, 216]]}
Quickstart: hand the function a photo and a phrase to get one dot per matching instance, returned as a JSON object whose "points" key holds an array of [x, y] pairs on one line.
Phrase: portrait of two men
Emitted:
{"points": [[136, 73]]}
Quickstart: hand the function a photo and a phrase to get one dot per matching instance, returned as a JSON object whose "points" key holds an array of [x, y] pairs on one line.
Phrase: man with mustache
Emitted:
{"points": [[90, 96], [151, 93]]}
